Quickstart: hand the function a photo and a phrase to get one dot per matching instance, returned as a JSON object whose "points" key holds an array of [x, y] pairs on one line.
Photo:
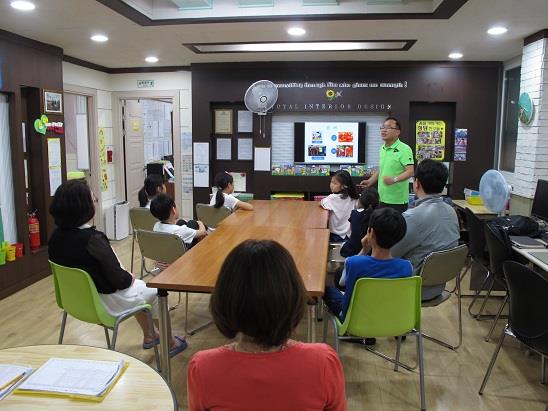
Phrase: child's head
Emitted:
{"points": [[386, 228], [154, 184], [369, 198], [341, 183], [224, 183], [259, 293], [163, 207], [72, 204]]}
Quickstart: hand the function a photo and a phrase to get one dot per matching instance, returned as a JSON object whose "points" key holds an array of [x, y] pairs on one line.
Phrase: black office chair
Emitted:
{"points": [[528, 321], [500, 250], [476, 247]]}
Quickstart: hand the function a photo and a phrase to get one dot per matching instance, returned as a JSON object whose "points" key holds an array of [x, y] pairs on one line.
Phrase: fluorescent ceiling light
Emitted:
{"points": [[497, 30], [151, 59], [100, 38], [296, 31], [23, 5], [302, 46], [455, 56]]}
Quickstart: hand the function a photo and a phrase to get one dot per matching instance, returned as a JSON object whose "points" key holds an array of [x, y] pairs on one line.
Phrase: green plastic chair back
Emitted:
{"points": [[162, 247], [210, 215], [141, 218], [76, 293], [383, 307]]}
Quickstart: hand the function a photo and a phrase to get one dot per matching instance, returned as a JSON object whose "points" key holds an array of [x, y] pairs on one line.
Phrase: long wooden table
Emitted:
{"points": [[300, 226], [281, 213], [139, 387]]}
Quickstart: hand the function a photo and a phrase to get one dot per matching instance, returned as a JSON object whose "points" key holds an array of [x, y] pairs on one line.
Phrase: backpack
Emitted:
{"points": [[517, 225]]}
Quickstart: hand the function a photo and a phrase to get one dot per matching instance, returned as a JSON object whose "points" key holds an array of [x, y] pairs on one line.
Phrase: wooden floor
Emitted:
{"points": [[452, 378]]}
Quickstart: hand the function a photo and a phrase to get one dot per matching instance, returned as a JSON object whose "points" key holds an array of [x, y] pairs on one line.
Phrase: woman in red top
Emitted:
{"points": [[259, 299]]}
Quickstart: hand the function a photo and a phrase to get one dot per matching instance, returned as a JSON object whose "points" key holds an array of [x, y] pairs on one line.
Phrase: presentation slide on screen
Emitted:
{"points": [[331, 143]]}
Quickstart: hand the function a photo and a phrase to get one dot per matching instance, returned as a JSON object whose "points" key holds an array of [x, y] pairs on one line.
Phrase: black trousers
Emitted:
{"points": [[400, 208]]}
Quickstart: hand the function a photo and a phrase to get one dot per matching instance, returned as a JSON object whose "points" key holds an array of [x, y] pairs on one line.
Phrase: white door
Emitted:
{"points": [[134, 147]]}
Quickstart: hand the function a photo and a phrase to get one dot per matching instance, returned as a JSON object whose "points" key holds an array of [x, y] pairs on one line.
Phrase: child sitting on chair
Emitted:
{"points": [[163, 208]]}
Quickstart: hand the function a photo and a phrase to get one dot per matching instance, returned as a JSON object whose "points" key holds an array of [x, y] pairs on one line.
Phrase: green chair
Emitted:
{"points": [[438, 268], [382, 307], [210, 215], [166, 248], [77, 295], [141, 219]]}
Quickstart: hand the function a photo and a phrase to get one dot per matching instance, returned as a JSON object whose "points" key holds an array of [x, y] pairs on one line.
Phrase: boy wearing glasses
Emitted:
{"points": [[396, 165]]}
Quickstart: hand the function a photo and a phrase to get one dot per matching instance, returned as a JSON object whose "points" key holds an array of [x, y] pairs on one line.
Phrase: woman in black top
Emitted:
{"points": [[74, 243]]}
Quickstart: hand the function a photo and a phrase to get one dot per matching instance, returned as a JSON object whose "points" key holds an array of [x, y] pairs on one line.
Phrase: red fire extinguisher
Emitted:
{"points": [[34, 231]]}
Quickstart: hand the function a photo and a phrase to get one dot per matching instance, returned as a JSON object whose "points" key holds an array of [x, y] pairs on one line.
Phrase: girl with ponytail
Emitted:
{"points": [[224, 198]]}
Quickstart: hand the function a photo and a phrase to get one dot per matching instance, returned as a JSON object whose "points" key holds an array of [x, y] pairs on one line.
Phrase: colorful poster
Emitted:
{"points": [[461, 144], [430, 138], [103, 159], [331, 143]]}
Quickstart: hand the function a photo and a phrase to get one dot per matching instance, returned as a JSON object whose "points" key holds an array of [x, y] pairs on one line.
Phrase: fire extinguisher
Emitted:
{"points": [[34, 231]]}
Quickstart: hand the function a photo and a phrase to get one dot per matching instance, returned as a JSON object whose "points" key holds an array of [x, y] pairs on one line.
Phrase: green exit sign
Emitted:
{"points": [[145, 83]]}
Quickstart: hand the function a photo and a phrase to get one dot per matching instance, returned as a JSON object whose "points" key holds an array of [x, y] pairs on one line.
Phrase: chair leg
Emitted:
{"points": [[132, 250], [62, 331], [107, 337], [421, 370], [195, 330], [542, 369], [176, 305], [142, 266], [336, 333], [398, 346], [493, 359], [496, 318], [480, 312], [114, 336], [319, 310], [478, 292], [324, 339]]}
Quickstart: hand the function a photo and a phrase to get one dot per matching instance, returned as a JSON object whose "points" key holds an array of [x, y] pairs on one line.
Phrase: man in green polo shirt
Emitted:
{"points": [[396, 165]]}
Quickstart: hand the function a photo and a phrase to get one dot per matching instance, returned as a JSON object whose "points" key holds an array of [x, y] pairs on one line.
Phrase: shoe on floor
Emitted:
{"points": [[178, 348], [363, 341], [402, 337], [149, 345]]}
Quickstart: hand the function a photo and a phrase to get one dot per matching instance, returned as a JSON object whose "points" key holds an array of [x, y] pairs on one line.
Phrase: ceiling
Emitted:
{"points": [[70, 23]]}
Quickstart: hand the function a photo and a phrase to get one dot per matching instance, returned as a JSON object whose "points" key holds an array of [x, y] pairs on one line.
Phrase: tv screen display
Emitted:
{"points": [[330, 142]]}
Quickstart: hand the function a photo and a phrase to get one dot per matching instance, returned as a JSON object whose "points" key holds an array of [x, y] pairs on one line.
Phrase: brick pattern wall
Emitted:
{"points": [[532, 141]]}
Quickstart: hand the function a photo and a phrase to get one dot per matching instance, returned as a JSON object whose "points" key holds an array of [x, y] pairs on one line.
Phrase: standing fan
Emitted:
{"points": [[259, 98], [494, 191]]}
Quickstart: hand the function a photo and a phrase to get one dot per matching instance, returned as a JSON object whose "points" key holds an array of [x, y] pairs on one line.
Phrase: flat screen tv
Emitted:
{"points": [[330, 142]]}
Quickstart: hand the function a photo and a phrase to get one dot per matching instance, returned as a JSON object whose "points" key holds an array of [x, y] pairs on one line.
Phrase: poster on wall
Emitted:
{"points": [[103, 159], [430, 138], [54, 164], [461, 144]]}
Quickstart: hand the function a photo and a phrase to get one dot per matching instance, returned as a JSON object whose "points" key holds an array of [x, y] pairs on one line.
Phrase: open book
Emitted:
{"points": [[85, 379], [11, 376]]}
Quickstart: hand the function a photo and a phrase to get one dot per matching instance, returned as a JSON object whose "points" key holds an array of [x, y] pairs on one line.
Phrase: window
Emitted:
{"points": [[509, 132]]}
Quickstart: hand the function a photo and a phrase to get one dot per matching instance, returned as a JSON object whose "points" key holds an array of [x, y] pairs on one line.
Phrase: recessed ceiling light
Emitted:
{"points": [[296, 31], [151, 59], [497, 30], [23, 5], [455, 56], [100, 38]]}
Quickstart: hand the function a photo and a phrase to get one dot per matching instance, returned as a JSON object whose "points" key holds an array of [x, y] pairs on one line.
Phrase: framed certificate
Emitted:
{"points": [[223, 121]]}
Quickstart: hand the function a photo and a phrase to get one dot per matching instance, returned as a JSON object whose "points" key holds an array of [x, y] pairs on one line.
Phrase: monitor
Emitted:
{"points": [[540, 202]]}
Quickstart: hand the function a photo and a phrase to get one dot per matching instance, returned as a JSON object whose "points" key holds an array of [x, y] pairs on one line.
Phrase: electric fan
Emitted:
{"points": [[259, 98], [494, 191]]}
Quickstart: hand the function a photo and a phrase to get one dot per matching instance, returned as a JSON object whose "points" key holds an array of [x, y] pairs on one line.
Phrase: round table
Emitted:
{"points": [[140, 387]]}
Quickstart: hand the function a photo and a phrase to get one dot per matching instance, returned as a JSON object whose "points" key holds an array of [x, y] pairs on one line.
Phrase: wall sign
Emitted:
{"points": [[145, 83], [430, 136]]}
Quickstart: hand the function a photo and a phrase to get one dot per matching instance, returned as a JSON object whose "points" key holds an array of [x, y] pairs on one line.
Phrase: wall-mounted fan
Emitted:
{"points": [[259, 98], [494, 191]]}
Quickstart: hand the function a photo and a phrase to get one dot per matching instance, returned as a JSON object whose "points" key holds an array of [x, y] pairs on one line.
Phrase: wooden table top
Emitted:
{"points": [[281, 213], [140, 387], [197, 269], [476, 209]]}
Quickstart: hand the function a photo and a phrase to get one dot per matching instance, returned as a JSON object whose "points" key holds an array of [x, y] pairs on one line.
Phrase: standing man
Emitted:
{"points": [[396, 165]]}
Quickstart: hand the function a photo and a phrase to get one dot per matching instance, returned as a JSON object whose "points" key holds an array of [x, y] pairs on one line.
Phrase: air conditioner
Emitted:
{"points": [[117, 221]]}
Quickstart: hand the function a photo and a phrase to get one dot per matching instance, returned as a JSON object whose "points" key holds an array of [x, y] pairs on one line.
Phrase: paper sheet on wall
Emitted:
{"points": [[262, 159], [54, 164], [201, 153], [245, 121], [82, 142], [224, 149], [239, 181], [245, 149], [186, 142], [201, 175]]}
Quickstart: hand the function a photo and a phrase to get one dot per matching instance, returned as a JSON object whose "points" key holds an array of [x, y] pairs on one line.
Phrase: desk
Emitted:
{"points": [[481, 211], [140, 387], [281, 213], [197, 269], [525, 252]]}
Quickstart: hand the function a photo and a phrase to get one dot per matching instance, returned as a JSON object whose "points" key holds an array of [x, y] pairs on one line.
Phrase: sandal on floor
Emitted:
{"points": [[149, 345], [179, 348]]}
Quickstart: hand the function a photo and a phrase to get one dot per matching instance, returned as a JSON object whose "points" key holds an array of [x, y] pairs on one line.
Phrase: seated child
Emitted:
{"points": [[340, 204], [386, 228], [163, 208], [224, 183], [359, 221]]}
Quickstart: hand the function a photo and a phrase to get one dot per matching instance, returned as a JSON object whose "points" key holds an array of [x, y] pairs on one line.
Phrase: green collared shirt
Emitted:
{"points": [[393, 161]]}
